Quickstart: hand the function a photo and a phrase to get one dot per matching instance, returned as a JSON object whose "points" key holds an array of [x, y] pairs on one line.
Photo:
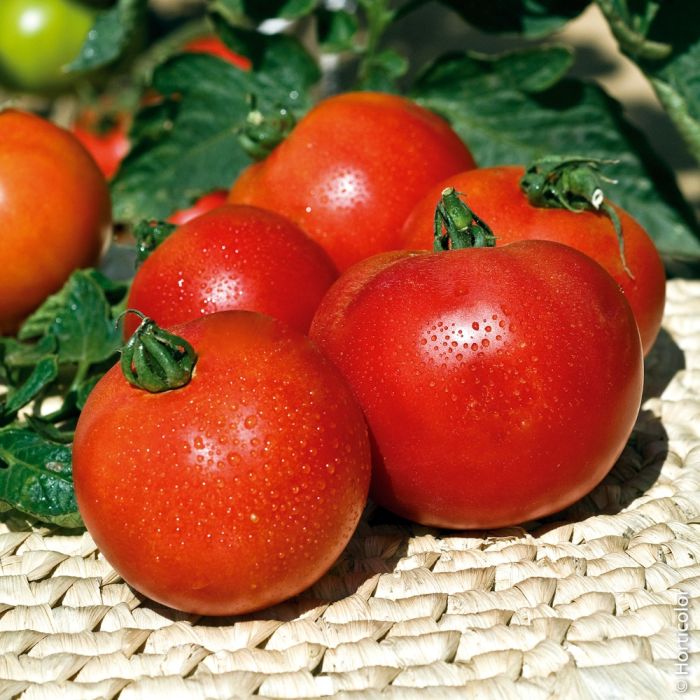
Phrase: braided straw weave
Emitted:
{"points": [[591, 604]]}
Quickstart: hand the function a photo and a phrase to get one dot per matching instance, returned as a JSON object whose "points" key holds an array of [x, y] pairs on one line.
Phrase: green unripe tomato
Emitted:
{"points": [[38, 38]]}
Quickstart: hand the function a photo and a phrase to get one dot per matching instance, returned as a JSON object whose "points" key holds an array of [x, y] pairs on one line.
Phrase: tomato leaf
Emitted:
{"points": [[259, 10], [36, 477], [336, 30], [532, 18], [192, 146], [664, 40], [504, 124], [43, 373], [82, 326], [111, 35]]}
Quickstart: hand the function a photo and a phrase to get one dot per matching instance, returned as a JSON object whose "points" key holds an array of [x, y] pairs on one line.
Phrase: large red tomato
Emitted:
{"points": [[234, 257], [494, 194], [352, 169], [55, 212], [234, 491], [499, 384]]}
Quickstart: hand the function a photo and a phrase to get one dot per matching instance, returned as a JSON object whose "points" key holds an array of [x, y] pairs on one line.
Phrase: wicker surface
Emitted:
{"points": [[588, 605]]}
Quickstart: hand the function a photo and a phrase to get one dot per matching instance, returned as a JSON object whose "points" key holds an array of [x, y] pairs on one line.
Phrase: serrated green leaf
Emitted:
{"points": [[535, 69], [18, 355], [664, 39], [36, 477], [502, 124], [382, 70], [531, 18], [83, 326], [43, 373], [111, 35], [336, 30], [195, 149]]}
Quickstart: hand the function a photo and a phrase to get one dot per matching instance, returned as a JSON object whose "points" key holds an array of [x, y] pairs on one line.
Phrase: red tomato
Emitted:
{"points": [[234, 257], [106, 140], [214, 46], [55, 212], [235, 491], [499, 384], [352, 169], [494, 194], [201, 206]]}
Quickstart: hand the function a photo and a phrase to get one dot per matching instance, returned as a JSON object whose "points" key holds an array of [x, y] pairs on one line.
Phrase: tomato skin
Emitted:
{"points": [[351, 170], [494, 194], [55, 212], [206, 203], [38, 38], [236, 491], [234, 257], [487, 407]]}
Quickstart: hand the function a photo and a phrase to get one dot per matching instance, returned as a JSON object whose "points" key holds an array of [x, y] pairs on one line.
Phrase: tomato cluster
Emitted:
{"points": [[478, 355]]}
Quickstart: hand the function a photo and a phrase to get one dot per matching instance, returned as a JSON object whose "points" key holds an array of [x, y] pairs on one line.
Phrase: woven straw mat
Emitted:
{"points": [[593, 603]]}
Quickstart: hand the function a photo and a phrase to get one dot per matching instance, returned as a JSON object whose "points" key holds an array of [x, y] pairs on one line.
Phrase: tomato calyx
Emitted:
{"points": [[149, 235], [262, 132], [154, 359], [575, 184], [457, 226]]}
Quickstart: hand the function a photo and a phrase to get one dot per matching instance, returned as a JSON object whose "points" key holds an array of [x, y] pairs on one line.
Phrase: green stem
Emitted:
{"points": [[262, 132], [632, 39], [155, 360], [677, 109], [456, 226], [379, 17], [575, 184]]}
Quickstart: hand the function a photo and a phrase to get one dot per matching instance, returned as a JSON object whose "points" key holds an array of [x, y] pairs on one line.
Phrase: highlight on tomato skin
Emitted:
{"points": [[496, 196], [499, 384], [233, 257], [235, 491]]}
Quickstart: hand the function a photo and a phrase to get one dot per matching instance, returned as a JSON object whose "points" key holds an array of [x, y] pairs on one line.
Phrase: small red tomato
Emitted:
{"points": [[215, 47], [55, 212], [232, 492], [351, 170], [495, 195], [499, 384], [201, 206], [105, 138], [234, 257]]}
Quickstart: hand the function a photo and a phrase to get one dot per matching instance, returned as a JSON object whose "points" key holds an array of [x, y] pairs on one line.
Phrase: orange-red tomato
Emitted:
{"points": [[235, 491], [55, 212], [495, 196], [351, 170], [201, 206]]}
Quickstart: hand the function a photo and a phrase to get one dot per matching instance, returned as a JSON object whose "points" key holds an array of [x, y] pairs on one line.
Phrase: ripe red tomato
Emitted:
{"points": [[234, 257], [105, 138], [352, 169], [494, 194], [499, 384], [235, 491], [55, 212], [201, 206]]}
